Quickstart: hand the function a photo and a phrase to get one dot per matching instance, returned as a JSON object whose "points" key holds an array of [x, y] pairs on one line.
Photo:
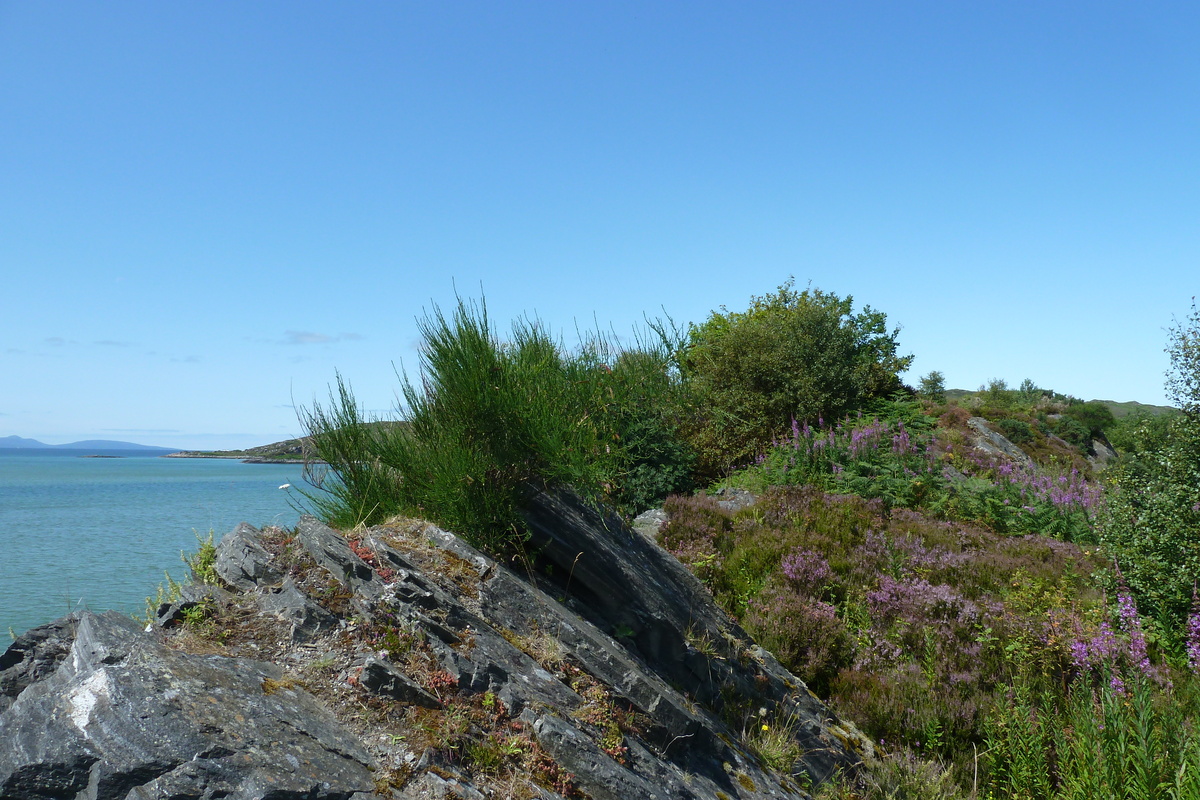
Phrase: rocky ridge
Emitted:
{"points": [[398, 661]]}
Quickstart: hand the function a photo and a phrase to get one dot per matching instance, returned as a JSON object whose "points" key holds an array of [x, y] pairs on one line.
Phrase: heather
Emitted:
{"points": [[907, 460], [988, 663]]}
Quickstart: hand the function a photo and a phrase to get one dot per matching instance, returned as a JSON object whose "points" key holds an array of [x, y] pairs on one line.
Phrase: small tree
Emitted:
{"points": [[933, 387], [792, 355], [1183, 378], [997, 394], [1152, 525]]}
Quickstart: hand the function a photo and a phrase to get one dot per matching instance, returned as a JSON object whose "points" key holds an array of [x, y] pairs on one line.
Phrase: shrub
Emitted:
{"points": [[804, 633], [791, 355], [1015, 430], [1151, 523], [1183, 348], [489, 420], [1154, 509], [1073, 432], [1093, 416], [997, 394]]}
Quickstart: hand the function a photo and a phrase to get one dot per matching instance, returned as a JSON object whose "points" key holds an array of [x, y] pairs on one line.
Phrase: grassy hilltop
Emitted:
{"points": [[1007, 609]]}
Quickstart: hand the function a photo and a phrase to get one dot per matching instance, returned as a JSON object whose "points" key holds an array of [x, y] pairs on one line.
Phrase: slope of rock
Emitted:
{"points": [[401, 661]]}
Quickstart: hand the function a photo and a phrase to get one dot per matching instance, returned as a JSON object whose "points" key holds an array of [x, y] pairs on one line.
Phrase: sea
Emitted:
{"points": [[81, 532]]}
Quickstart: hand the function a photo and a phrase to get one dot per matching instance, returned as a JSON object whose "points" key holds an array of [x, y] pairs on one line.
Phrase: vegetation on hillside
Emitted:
{"points": [[1005, 628]]}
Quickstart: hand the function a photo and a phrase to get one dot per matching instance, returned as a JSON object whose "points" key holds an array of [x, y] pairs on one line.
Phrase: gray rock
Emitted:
{"points": [[191, 595], [242, 562], [381, 678], [619, 581], [649, 523], [596, 771], [329, 549], [732, 499], [98, 708], [1101, 454], [102, 710], [308, 619], [994, 443]]}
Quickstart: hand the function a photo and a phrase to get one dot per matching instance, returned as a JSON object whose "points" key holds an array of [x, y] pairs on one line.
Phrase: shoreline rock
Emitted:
{"points": [[415, 666]]}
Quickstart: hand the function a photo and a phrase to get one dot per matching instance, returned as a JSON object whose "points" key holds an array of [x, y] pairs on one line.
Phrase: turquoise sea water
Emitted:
{"points": [[99, 533]]}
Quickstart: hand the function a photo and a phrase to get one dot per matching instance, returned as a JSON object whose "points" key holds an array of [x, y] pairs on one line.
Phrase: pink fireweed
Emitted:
{"points": [[1193, 637]]}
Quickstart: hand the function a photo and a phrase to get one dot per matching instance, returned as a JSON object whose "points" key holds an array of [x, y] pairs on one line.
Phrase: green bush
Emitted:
{"points": [[1072, 431], [997, 394], [489, 420], [1015, 430], [1092, 415], [791, 355], [1152, 524]]}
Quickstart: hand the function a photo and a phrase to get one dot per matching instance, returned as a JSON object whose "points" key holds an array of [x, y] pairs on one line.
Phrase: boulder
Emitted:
{"points": [[1101, 454], [242, 562], [97, 708], [382, 678], [989, 441], [649, 523]]}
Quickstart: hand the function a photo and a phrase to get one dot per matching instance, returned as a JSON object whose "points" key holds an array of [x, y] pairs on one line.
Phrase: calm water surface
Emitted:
{"points": [[99, 533]]}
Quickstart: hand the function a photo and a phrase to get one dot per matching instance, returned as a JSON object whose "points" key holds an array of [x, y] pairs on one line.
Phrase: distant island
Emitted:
{"points": [[20, 443], [289, 450]]}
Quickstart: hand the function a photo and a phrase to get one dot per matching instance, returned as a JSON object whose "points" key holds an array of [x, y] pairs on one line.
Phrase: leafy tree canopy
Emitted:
{"points": [[801, 355]]}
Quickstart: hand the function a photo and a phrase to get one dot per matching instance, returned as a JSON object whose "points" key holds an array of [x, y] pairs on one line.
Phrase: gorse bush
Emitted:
{"points": [[490, 419]]}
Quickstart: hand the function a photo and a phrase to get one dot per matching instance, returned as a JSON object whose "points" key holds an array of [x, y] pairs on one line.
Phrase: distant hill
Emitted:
{"points": [[1132, 407], [1118, 409], [19, 443], [289, 450]]}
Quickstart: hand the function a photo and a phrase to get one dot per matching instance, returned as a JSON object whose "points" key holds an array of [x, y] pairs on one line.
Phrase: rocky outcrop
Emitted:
{"points": [[1101, 454], [993, 443], [400, 660], [93, 707]]}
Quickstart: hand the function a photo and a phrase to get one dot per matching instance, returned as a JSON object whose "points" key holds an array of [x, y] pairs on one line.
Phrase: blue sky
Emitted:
{"points": [[208, 209]]}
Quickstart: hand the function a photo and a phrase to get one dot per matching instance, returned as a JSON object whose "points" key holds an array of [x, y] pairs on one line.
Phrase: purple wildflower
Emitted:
{"points": [[808, 571], [1193, 633], [1131, 624]]}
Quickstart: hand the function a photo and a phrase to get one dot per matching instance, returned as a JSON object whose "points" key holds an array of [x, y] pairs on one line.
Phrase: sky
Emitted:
{"points": [[210, 210]]}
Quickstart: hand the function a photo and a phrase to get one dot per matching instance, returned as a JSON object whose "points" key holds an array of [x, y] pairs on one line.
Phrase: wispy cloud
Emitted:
{"points": [[13, 351], [58, 341], [140, 430], [311, 337], [112, 343], [187, 360]]}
